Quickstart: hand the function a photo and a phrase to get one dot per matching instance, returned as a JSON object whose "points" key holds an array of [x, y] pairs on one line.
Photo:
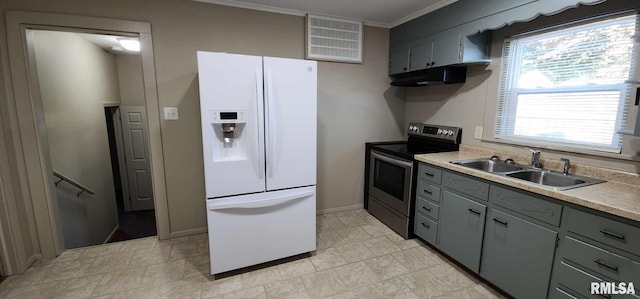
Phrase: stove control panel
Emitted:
{"points": [[435, 131]]}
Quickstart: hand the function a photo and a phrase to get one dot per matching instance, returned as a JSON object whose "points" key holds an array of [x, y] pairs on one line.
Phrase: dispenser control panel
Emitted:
{"points": [[228, 117]]}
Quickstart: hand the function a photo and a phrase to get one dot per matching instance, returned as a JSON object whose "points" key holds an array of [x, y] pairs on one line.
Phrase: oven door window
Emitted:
{"points": [[390, 178]]}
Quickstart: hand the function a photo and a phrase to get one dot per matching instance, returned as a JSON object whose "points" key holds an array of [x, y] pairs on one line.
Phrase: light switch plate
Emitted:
{"points": [[478, 134], [170, 113]]}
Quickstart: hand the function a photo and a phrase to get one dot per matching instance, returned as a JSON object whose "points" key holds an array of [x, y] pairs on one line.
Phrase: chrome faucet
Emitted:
{"points": [[535, 158], [567, 165]]}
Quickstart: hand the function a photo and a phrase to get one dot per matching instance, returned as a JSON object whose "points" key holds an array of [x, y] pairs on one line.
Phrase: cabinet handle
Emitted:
{"points": [[427, 191], [608, 233], [426, 209], [474, 212], [637, 96], [404, 68], [422, 223], [428, 174], [603, 264], [432, 63], [500, 221]]}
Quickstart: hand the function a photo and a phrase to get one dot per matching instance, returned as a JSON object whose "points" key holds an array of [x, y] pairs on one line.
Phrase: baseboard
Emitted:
{"points": [[189, 232], [113, 232], [30, 261], [340, 209]]}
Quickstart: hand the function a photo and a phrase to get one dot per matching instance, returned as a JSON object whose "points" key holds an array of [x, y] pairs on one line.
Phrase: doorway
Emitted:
{"points": [[33, 160], [136, 214], [87, 81]]}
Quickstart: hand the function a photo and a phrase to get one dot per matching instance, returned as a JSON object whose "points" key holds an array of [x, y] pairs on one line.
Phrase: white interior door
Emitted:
{"points": [[136, 149], [291, 122], [231, 83]]}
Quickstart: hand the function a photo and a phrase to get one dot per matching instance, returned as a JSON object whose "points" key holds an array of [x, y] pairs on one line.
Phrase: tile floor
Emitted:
{"points": [[357, 257]]}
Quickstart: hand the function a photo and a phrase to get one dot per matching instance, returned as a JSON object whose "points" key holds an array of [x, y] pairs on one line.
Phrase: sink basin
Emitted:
{"points": [[488, 165], [541, 177], [551, 179]]}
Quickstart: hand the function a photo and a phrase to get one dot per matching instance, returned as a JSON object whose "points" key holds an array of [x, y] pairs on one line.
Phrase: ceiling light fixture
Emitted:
{"points": [[130, 44]]}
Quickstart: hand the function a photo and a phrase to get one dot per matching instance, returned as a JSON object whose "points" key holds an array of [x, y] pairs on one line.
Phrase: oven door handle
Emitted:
{"points": [[401, 163]]}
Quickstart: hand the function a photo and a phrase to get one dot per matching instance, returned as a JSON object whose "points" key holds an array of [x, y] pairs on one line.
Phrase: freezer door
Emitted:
{"points": [[231, 94], [252, 229], [290, 87]]}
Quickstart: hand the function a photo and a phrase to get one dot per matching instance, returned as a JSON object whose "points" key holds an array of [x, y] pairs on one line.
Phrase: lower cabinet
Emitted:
{"points": [[460, 229], [510, 237], [517, 255], [426, 229]]}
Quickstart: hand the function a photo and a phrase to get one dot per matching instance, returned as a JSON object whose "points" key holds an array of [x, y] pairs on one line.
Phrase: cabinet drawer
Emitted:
{"points": [[466, 185], [429, 173], [428, 191], [427, 208], [426, 229], [579, 281], [561, 294], [610, 232], [602, 261], [527, 205], [576, 280]]}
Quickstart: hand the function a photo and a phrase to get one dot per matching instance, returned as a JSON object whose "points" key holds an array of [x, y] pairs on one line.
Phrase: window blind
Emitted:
{"points": [[566, 86]]}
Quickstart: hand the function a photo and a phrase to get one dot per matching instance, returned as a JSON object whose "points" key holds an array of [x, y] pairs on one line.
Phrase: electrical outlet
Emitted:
{"points": [[478, 134], [170, 113]]}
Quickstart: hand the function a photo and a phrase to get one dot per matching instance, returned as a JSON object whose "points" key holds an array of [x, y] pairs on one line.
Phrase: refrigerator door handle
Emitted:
{"points": [[260, 203], [259, 100], [271, 125]]}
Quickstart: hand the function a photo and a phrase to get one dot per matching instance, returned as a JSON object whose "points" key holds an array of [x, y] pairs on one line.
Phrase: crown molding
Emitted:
{"points": [[296, 12]]}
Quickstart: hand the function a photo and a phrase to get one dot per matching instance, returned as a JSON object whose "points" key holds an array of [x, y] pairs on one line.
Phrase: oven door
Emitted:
{"points": [[390, 181]]}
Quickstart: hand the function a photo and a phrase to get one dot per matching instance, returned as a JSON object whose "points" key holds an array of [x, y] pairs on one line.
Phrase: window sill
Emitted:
{"points": [[563, 149]]}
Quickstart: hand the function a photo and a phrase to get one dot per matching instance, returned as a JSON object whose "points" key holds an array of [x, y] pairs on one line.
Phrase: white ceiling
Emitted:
{"points": [[381, 13], [108, 42]]}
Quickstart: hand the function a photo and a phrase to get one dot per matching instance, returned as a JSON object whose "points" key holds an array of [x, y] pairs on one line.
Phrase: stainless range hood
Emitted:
{"points": [[431, 76]]}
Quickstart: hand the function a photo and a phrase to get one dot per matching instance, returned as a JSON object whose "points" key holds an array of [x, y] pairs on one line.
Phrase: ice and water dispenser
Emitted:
{"points": [[229, 129]]}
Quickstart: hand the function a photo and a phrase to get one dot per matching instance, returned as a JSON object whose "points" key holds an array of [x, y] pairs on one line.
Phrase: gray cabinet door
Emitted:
{"points": [[420, 57], [399, 62], [517, 255], [460, 229], [446, 51]]}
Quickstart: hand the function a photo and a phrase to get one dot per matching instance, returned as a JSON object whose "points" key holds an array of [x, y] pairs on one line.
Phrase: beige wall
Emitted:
{"points": [[130, 80], [464, 105], [353, 99], [355, 104], [76, 79]]}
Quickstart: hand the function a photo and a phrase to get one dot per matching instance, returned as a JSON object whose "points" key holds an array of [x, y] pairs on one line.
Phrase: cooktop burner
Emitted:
{"points": [[423, 139], [404, 150]]}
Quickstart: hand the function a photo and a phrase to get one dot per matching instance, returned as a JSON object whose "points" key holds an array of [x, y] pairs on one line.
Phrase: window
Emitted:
{"points": [[566, 86]]}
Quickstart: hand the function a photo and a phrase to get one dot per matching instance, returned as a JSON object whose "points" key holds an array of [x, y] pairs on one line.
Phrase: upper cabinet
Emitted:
{"points": [[445, 51], [456, 14], [399, 61], [459, 33], [440, 50]]}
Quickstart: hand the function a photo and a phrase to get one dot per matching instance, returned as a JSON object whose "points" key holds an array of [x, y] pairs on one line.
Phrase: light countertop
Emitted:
{"points": [[613, 197]]}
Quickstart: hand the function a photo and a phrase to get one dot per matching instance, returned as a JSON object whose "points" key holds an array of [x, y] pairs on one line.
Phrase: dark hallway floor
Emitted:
{"points": [[135, 224]]}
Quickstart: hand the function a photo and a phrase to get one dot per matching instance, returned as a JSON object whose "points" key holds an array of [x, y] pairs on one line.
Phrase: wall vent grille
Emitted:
{"points": [[334, 39]]}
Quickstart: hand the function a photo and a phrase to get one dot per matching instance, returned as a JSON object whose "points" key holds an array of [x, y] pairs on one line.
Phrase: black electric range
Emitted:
{"points": [[391, 172]]}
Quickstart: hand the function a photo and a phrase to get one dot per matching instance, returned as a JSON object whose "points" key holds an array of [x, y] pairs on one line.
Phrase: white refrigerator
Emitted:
{"points": [[259, 145]]}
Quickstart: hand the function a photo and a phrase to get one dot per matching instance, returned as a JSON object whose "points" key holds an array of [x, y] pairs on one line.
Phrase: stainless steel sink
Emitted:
{"points": [[557, 180], [541, 177], [488, 165]]}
